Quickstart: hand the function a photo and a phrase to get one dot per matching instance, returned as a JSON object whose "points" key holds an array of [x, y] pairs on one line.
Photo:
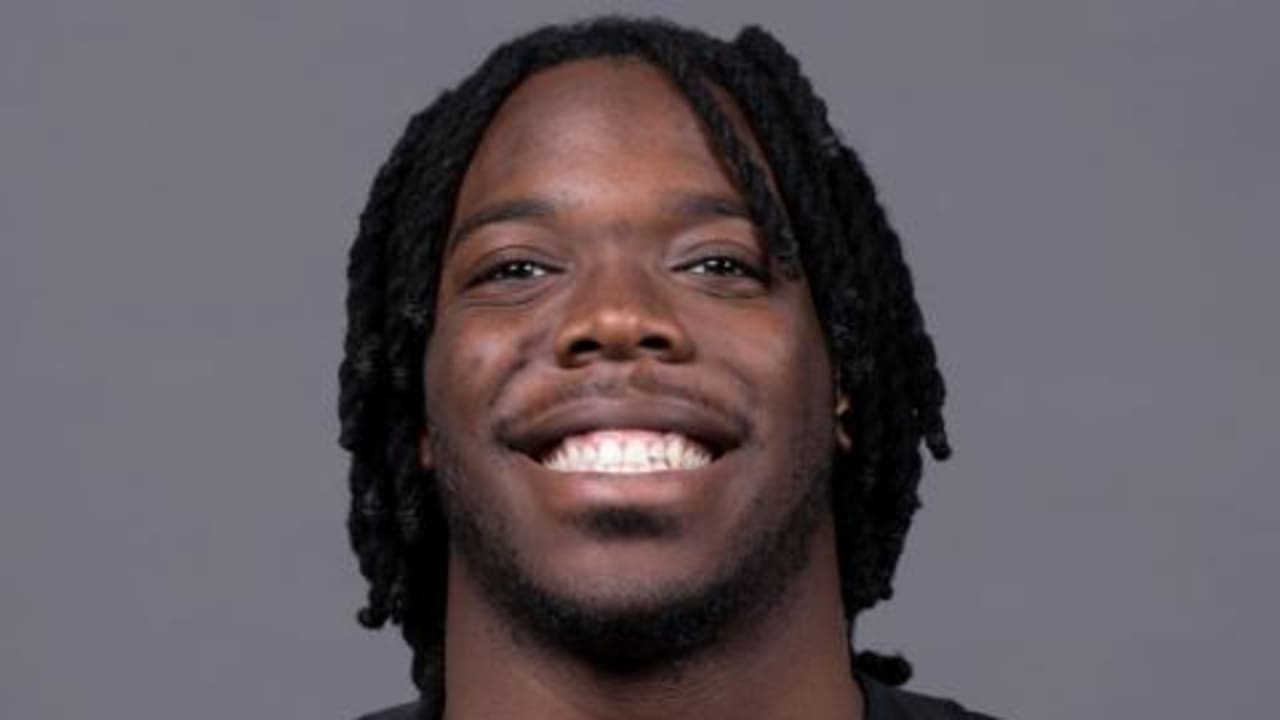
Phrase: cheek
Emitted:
{"points": [[784, 351], [465, 365], [788, 369]]}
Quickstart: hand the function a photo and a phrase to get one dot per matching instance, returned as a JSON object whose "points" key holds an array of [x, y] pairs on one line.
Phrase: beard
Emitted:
{"points": [[651, 630]]}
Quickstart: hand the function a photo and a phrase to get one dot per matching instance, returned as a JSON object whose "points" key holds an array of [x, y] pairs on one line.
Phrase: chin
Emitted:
{"points": [[666, 607], [635, 594], [625, 627]]}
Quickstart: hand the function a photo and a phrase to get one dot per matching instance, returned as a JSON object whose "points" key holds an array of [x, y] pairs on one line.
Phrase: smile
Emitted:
{"points": [[626, 451]]}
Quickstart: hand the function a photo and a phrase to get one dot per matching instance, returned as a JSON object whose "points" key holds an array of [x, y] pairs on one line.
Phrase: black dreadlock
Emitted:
{"points": [[829, 224]]}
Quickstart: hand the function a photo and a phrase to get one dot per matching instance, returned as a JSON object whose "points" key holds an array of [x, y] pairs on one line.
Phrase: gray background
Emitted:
{"points": [[1087, 190]]}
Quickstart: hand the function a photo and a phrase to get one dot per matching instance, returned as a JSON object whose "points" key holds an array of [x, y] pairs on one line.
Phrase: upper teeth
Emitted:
{"points": [[626, 451]]}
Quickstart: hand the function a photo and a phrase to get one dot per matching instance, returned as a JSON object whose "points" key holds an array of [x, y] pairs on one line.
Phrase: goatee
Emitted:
{"points": [[653, 631]]}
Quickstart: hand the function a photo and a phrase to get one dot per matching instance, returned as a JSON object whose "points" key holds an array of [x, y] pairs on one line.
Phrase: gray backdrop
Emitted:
{"points": [[1087, 192]]}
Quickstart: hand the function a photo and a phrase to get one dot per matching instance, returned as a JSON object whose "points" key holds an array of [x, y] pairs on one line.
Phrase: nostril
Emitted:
{"points": [[655, 343], [626, 333], [584, 346]]}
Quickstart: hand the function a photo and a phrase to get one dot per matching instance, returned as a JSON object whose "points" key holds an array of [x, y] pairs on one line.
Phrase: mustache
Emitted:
{"points": [[638, 384]]}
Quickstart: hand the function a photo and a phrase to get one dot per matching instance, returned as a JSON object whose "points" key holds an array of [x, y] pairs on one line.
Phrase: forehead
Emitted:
{"points": [[625, 95], [621, 117]]}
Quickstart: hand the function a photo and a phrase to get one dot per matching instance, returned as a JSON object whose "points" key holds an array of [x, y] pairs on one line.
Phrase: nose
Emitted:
{"points": [[620, 316]]}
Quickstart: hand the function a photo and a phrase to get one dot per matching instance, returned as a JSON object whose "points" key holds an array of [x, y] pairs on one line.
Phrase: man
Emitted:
{"points": [[634, 387]]}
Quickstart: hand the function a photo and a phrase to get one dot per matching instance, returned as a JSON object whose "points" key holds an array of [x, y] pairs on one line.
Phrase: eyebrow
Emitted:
{"points": [[701, 205], [505, 211], [690, 205]]}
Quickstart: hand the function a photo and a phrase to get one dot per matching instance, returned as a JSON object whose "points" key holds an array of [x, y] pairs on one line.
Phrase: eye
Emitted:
{"points": [[725, 266], [510, 271]]}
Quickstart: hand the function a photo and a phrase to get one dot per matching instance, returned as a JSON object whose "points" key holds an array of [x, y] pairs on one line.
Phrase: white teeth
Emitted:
{"points": [[674, 452], [635, 453], [610, 451], [626, 451]]}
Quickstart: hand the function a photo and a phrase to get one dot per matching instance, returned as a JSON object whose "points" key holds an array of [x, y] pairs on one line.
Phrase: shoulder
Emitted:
{"points": [[408, 711], [883, 703], [888, 703]]}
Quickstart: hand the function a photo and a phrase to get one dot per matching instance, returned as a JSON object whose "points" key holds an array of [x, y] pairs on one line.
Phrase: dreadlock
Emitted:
{"points": [[829, 225]]}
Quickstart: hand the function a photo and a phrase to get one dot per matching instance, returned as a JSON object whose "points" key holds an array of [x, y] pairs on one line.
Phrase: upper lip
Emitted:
{"points": [[536, 436]]}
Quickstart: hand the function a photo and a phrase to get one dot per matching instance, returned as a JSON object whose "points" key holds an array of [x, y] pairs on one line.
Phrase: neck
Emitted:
{"points": [[790, 661]]}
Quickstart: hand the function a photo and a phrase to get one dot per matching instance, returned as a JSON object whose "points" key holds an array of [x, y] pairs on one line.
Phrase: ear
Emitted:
{"points": [[425, 457], [842, 433]]}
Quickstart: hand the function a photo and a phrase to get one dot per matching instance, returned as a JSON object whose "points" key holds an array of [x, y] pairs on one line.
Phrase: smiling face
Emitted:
{"points": [[630, 410]]}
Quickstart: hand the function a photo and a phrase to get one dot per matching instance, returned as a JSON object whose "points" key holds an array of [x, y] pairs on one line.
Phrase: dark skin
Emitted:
{"points": [[599, 243]]}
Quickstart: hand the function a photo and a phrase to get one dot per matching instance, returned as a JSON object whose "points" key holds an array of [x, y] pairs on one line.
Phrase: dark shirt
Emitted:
{"points": [[883, 703]]}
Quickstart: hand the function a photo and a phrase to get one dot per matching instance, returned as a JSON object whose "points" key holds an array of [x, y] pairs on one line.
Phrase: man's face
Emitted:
{"points": [[627, 406]]}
